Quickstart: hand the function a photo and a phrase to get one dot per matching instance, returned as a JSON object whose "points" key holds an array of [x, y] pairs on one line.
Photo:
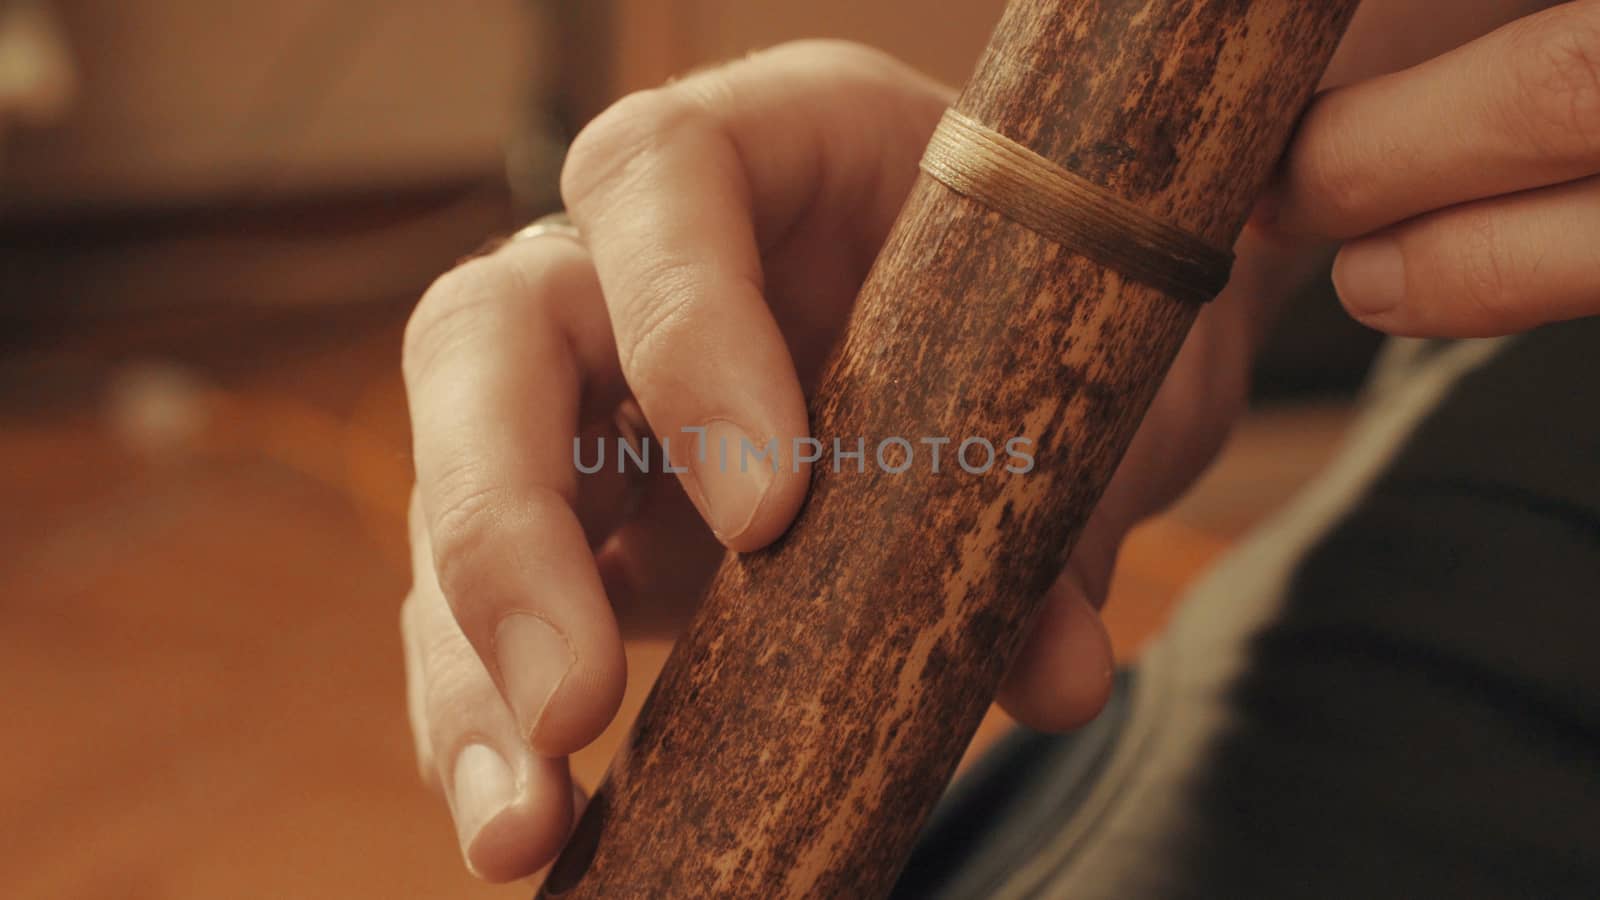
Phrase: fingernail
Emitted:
{"points": [[482, 786], [534, 659], [733, 477], [1370, 276]]}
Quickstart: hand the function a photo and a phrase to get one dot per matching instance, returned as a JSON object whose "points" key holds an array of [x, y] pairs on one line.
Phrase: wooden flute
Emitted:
{"points": [[1077, 208]]}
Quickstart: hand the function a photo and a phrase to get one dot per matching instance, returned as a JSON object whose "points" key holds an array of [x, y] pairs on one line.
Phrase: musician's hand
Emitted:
{"points": [[1467, 188], [727, 222]]}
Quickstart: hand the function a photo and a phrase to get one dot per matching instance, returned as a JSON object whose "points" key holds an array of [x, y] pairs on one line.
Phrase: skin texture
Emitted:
{"points": [[1465, 188], [808, 719], [728, 221]]}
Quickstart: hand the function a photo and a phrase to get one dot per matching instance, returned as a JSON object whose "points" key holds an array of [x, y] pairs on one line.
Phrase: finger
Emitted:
{"points": [[1489, 268], [493, 357], [1062, 677], [416, 708], [1514, 110], [675, 202], [512, 810]]}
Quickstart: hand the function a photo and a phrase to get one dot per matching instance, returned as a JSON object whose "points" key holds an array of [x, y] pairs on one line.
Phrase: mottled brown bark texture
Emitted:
{"points": [[808, 720]]}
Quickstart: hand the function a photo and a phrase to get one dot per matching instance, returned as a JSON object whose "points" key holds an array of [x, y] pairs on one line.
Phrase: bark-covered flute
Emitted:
{"points": [[1076, 209]]}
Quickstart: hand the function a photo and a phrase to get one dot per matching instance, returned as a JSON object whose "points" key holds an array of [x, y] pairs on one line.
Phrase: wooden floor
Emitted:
{"points": [[201, 562]]}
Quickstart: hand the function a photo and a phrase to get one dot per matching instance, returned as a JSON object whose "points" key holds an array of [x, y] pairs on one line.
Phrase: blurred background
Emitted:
{"points": [[215, 217]]}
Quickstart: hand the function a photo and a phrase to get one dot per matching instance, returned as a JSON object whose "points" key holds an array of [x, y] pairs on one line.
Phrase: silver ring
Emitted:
{"points": [[556, 223]]}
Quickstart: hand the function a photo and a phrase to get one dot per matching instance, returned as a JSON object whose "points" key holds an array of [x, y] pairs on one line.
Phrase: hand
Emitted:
{"points": [[1467, 188], [728, 220]]}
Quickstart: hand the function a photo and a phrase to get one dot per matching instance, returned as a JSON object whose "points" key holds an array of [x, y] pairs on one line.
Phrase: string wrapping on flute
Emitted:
{"points": [[983, 165]]}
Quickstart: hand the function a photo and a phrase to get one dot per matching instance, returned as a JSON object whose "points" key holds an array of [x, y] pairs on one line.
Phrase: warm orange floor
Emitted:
{"points": [[201, 563]]}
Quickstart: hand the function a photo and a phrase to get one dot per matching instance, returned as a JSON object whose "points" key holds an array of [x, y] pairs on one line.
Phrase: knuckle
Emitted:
{"points": [[836, 58], [456, 679], [611, 147], [448, 316], [468, 515], [1331, 173], [1556, 78], [475, 518], [450, 682], [667, 308], [658, 313], [1484, 266], [837, 52]]}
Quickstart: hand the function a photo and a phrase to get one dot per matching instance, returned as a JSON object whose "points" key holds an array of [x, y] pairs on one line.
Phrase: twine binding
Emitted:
{"points": [[990, 168]]}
